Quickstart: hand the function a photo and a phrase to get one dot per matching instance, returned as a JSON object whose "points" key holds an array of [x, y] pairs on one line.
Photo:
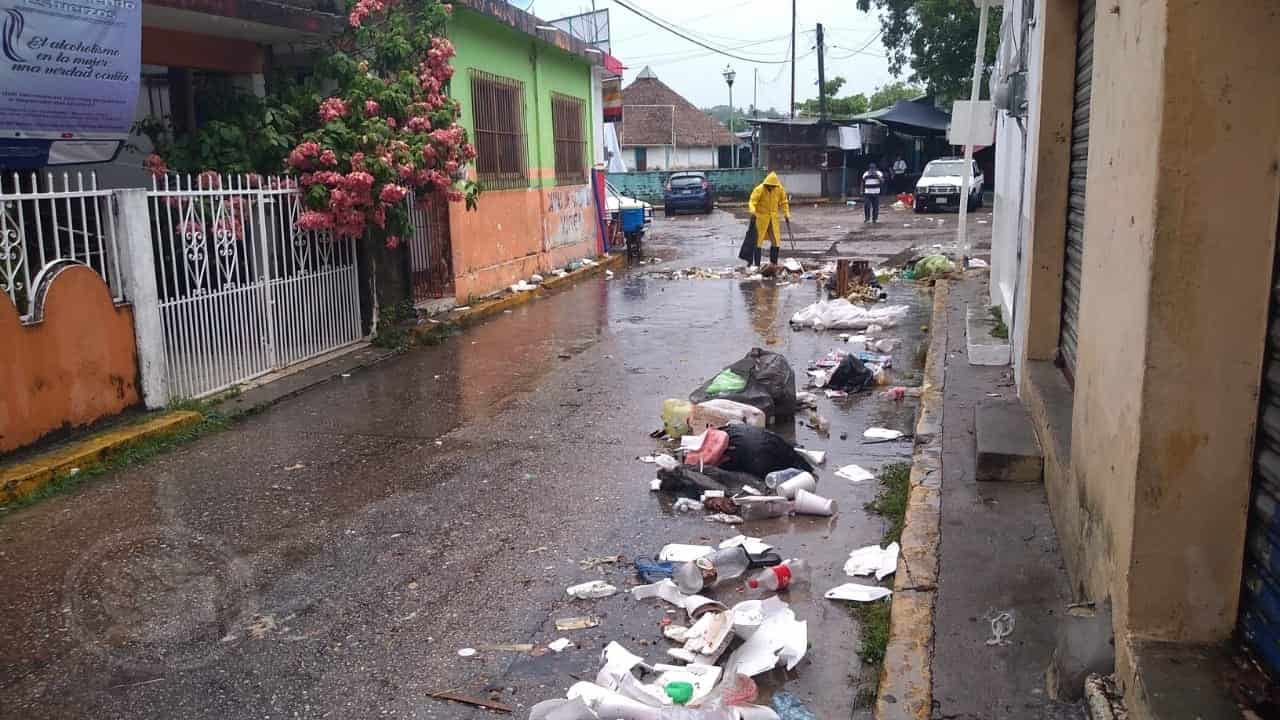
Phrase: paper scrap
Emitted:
{"points": [[873, 559], [576, 623], [836, 394], [560, 645], [817, 457], [858, 593], [693, 443], [754, 546], [676, 552], [725, 518], [591, 590], [854, 473], [664, 589], [879, 433]]}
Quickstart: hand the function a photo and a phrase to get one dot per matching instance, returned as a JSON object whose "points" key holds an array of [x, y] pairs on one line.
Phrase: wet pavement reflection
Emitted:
{"points": [[329, 556]]}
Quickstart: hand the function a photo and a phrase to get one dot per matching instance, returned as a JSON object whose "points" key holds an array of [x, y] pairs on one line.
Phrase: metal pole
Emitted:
{"points": [[792, 111], [822, 80], [733, 149], [978, 57]]}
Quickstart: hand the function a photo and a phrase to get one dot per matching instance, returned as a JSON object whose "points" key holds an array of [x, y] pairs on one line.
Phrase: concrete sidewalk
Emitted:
{"points": [[999, 554]]}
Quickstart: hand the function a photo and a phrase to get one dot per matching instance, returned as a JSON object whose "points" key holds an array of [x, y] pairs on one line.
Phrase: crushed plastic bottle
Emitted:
{"points": [[763, 508], [777, 477]]}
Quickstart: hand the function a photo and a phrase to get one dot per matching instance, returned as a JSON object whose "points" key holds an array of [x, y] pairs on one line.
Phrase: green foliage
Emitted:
{"points": [[937, 39], [837, 107], [1000, 330], [873, 627], [891, 502], [239, 132], [886, 95]]}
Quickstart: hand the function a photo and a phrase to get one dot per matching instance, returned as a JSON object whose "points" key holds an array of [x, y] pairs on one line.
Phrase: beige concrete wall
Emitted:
{"points": [[1125, 118], [1210, 285], [1184, 176]]}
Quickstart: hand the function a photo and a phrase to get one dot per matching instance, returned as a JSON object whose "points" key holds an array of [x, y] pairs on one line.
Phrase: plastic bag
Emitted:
{"points": [[725, 383], [933, 266], [851, 375], [688, 481], [770, 384], [759, 452], [840, 314]]}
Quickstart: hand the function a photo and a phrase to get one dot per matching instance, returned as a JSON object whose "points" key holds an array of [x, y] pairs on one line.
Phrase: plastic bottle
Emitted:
{"points": [[675, 417], [721, 565], [777, 477], [780, 577], [763, 508]]}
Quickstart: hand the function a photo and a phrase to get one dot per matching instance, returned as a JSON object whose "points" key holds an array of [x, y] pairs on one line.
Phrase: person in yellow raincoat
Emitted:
{"points": [[767, 200]]}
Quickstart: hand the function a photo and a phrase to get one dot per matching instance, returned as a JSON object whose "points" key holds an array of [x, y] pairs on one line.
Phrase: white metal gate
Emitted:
{"points": [[243, 291]]}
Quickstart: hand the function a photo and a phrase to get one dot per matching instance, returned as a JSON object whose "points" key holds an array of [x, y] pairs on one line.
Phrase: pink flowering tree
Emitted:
{"points": [[388, 129]]}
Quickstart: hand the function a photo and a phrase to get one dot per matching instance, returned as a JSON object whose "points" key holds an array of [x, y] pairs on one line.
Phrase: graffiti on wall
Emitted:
{"points": [[568, 219]]}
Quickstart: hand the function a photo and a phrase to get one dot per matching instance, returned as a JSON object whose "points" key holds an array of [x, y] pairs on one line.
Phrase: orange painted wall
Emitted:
{"points": [[513, 234], [77, 364]]}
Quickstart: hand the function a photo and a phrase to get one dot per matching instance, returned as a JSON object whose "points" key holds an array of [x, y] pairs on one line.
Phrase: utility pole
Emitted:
{"points": [[822, 80], [966, 182], [793, 60]]}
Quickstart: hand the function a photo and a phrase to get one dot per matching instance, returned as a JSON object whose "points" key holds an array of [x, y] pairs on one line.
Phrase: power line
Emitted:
{"points": [[675, 31], [862, 49], [687, 54]]}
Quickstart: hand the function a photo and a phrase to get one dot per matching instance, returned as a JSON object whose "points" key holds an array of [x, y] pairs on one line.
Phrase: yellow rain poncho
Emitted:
{"points": [[764, 206]]}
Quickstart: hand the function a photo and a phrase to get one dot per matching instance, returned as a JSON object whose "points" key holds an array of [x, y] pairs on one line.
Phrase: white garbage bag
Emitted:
{"points": [[840, 314]]}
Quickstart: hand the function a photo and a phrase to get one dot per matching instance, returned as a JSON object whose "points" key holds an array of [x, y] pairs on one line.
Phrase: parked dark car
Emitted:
{"points": [[688, 191]]}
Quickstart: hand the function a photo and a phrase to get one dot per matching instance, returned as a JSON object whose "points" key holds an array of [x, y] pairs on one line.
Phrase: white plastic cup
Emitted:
{"points": [[807, 503], [803, 481]]}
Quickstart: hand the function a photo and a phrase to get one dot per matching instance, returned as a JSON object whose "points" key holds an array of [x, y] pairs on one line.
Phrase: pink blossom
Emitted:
{"points": [[451, 167], [328, 157], [370, 107], [469, 151], [391, 123], [332, 109], [315, 220], [392, 193], [393, 242], [419, 123], [155, 165], [209, 180]]}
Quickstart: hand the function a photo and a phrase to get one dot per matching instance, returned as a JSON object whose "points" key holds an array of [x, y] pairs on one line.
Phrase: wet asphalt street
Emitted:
{"points": [[330, 556]]}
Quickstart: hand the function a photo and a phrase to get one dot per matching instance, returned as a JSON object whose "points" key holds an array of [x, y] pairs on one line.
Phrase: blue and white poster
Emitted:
{"points": [[69, 68]]}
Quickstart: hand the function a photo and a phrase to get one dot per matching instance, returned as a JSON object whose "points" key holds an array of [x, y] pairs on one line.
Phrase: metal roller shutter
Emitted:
{"points": [[1260, 596], [1071, 267]]}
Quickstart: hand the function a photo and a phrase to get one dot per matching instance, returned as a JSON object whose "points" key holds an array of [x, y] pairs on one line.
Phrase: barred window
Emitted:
{"points": [[497, 112], [571, 142]]}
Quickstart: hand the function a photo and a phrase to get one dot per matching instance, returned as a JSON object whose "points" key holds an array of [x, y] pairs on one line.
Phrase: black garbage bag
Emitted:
{"points": [[771, 384], [690, 481], [686, 481], [759, 452], [747, 252], [851, 376]]}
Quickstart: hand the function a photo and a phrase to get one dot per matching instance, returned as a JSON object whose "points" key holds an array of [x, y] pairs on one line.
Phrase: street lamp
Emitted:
{"points": [[729, 75]]}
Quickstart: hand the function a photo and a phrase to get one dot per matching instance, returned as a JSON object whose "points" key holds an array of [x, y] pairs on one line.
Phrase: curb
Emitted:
{"points": [[22, 479], [489, 308], [905, 691]]}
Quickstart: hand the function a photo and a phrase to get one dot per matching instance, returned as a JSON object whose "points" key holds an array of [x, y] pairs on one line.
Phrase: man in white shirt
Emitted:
{"points": [[872, 183], [899, 172]]}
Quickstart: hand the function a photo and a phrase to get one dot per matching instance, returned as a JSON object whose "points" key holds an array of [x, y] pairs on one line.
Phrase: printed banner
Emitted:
{"points": [[612, 97], [69, 67]]}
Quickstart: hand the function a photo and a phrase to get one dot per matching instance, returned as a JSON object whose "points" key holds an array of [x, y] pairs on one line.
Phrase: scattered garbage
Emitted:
{"points": [[476, 701], [879, 433], [978, 263], [710, 451], [726, 518], [854, 473], [873, 560], [858, 593], [840, 314], [761, 379], [764, 507], [535, 279], [684, 505], [675, 552], [720, 412], [815, 457], [932, 266], [780, 638], [675, 417], [808, 503], [851, 375], [753, 545], [577, 623], [592, 590], [759, 452], [560, 645], [788, 706], [719, 566], [780, 577], [523, 286], [787, 483], [467, 652], [653, 570]]}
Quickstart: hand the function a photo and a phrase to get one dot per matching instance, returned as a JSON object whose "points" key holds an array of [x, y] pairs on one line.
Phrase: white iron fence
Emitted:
{"points": [[242, 290], [50, 219]]}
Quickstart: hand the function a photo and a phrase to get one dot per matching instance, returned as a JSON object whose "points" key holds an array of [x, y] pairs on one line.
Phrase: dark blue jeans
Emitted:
{"points": [[871, 208]]}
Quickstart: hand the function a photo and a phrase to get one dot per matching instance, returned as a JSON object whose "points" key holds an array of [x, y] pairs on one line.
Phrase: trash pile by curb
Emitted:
{"points": [[724, 461]]}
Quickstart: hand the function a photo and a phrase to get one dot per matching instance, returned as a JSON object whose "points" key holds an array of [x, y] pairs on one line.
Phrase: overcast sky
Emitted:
{"points": [[763, 26]]}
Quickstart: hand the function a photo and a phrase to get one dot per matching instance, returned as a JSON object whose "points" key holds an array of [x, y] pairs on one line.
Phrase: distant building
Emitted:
{"points": [[660, 130]]}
